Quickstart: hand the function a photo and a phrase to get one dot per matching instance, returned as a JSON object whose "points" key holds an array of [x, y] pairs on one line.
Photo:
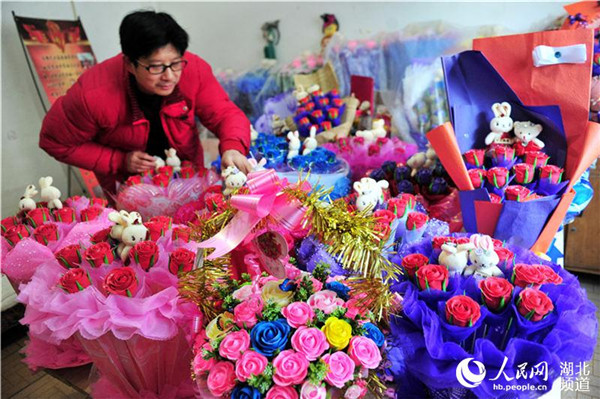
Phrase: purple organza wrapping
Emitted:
{"points": [[311, 252], [151, 200], [430, 351]]}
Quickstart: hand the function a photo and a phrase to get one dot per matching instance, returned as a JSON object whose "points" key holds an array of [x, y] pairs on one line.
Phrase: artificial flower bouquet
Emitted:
{"points": [[307, 337], [163, 191], [517, 321], [115, 291]]}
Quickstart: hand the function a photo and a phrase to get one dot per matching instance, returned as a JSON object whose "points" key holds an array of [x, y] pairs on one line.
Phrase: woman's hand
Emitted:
{"points": [[139, 161], [237, 159]]}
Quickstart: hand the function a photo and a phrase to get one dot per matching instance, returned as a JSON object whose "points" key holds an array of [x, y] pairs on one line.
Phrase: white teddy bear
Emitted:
{"points": [[172, 159], [294, 145], [500, 125], [484, 259], [310, 143], [378, 128], [234, 178], [527, 132], [49, 193], [27, 203], [370, 193], [158, 162], [455, 257]]}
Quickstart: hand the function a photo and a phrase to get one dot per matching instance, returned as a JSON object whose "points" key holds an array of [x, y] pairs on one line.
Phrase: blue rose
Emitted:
{"points": [[374, 333], [340, 289], [245, 392], [268, 337]]}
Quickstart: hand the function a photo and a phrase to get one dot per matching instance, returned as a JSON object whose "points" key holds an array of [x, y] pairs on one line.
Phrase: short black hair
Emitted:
{"points": [[144, 32]]}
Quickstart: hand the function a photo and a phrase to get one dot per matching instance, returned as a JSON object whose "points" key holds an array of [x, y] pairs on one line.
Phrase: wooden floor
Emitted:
{"points": [[19, 383]]}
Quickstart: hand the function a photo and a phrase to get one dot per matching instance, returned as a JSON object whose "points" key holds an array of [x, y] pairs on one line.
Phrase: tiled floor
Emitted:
{"points": [[19, 383]]}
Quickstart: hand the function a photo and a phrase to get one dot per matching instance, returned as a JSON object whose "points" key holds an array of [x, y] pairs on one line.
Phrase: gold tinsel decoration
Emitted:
{"points": [[374, 295], [375, 386]]}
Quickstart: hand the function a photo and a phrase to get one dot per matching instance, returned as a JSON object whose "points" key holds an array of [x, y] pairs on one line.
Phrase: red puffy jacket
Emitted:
{"points": [[98, 121]]}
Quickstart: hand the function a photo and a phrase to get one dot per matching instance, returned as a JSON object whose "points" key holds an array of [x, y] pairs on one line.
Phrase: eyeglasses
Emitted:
{"points": [[160, 69]]}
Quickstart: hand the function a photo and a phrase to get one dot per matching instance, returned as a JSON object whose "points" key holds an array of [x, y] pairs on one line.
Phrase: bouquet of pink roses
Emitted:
{"points": [[288, 339]]}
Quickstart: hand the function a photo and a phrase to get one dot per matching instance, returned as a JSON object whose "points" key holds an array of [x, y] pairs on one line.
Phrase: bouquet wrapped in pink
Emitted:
{"points": [[307, 337], [119, 299]]}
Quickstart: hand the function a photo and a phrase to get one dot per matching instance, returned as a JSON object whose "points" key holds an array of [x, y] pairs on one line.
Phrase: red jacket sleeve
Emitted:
{"points": [[68, 131], [219, 114]]}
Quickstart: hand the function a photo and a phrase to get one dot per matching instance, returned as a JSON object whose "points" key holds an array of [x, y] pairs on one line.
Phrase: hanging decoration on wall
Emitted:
{"points": [[271, 34], [330, 26]]}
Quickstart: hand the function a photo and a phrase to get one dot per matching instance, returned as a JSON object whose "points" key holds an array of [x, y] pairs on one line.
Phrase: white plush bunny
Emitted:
{"points": [[173, 160], [234, 178], [121, 220], [378, 128], [455, 257], [431, 157], [484, 259], [258, 166], [158, 162], [253, 133], [527, 132], [310, 143], [294, 145], [27, 203], [370, 193], [500, 125], [49, 193], [132, 234]]}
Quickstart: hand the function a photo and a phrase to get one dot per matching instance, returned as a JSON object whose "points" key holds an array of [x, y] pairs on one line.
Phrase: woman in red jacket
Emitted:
{"points": [[125, 110]]}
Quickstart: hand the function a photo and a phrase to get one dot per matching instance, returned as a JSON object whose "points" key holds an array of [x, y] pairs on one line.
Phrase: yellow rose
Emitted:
{"points": [[338, 332], [219, 326], [272, 292]]}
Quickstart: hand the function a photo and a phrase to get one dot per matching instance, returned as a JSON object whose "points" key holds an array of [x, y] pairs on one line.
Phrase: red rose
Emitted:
{"points": [[38, 216], [145, 254], [187, 164], [384, 216], [98, 254], [534, 196], [475, 157], [462, 240], [496, 292], [534, 304], [101, 202], [521, 149], [502, 153], [100, 236], [495, 199], [411, 263], [525, 275], [64, 215], [438, 241], [505, 255], [16, 233], [462, 311], [161, 180], [133, 180], [550, 276], [382, 230], [155, 230], [401, 204], [358, 140], [373, 149], [69, 256], [477, 177], [536, 158], [551, 173], [181, 233], [516, 193], [166, 170], [214, 201], [187, 172], [416, 220], [524, 173], [382, 141], [9, 222], [498, 177], [121, 281], [46, 233], [90, 213], [497, 243], [181, 260], [148, 173], [166, 221], [72, 200], [74, 280], [434, 277]]}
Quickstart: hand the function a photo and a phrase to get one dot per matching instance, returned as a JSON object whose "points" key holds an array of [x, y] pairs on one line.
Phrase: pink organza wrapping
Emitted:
{"points": [[40, 353], [151, 200], [362, 157]]}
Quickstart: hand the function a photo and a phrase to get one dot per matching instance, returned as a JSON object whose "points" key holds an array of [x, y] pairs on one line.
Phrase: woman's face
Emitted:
{"points": [[161, 84]]}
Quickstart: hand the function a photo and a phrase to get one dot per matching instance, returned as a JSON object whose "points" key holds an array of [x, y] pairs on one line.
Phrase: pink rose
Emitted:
{"points": [[242, 293], [244, 314], [364, 352], [251, 363], [310, 341], [221, 378], [317, 285], [201, 365], [325, 300], [355, 392], [298, 314], [341, 369], [310, 391], [277, 392], [234, 344], [291, 368]]}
